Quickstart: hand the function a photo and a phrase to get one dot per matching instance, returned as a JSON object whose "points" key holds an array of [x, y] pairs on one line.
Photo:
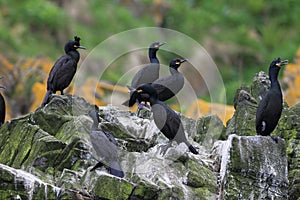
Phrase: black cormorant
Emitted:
{"points": [[150, 72], [64, 69], [105, 146], [166, 120], [270, 107], [2, 108], [167, 87]]}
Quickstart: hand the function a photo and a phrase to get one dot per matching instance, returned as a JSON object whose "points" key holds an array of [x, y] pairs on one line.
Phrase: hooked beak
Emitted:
{"points": [[81, 47], [184, 60], [161, 43], [283, 62]]}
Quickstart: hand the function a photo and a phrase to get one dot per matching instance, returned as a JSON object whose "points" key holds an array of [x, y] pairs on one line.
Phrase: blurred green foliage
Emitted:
{"points": [[244, 36]]}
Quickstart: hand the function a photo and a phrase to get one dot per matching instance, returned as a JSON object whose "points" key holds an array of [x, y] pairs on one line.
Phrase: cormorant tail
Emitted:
{"points": [[115, 169], [46, 98], [99, 164], [191, 148]]}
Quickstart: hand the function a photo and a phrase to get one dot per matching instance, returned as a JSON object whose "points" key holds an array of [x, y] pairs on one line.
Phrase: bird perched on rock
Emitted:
{"points": [[270, 107], [168, 86], [2, 108], [166, 120], [64, 69], [150, 72], [105, 146]]}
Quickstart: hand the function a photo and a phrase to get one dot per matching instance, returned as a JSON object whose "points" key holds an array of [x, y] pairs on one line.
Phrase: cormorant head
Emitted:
{"points": [[144, 92], [73, 45], [146, 89], [176, 62], [278, 63], [156, 45]]}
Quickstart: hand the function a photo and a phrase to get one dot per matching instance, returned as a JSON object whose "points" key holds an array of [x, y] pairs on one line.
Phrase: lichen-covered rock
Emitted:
{"points": [[53, 145], [210, 128], [18, 184], [289, 129], [243, 120], [253, 167]]}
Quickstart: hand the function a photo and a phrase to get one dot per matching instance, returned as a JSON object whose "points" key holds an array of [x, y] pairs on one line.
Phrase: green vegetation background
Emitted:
{"points": [[241, 36]]}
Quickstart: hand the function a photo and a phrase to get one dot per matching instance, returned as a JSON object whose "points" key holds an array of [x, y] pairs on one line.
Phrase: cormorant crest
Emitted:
{"points": [[77, 39]]}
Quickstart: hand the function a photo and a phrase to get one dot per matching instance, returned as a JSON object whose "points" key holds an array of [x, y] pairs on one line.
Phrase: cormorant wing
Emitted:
{"points": [[111, 138], [166, 120], [63, 71], [58, 64], [147, 74], [262, 107], [173, 83], [103, 146]]}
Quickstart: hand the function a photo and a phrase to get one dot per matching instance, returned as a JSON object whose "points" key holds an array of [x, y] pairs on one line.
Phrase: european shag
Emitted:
{"points": [[166, 120], [2, 108], [150, 72], [167, 87], [64, 69], [270, 107], [105, 146]]}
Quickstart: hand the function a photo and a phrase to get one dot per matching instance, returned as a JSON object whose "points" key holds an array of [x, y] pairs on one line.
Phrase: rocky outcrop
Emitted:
{"points": [[253, 167], [243, 123], [47, 154]]}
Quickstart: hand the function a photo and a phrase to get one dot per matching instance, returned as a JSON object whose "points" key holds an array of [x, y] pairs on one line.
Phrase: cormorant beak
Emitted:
{"points": [[161, 43], [81, 47], [282, 63], [184, 60]]}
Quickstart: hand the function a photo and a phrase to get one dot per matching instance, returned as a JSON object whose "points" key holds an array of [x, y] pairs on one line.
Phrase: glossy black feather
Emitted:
{"points": [[270, 107], [105, 147], [150, 72], [169, 86], [166, 120], [63, 69]]}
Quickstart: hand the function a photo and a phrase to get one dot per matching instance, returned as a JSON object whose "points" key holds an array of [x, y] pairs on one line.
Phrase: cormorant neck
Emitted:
{"points": [[152, 55], [74, 54], [273, 74], [173, 70]]}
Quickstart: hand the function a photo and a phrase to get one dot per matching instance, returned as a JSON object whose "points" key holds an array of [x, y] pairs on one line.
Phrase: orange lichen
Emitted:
{"points": [[291, 78], [200, 108]]}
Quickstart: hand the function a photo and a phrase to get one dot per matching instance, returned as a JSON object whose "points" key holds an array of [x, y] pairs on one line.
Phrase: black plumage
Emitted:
{"points": [[106, 147], [150, 72], [64, 69], [270, 107], [166, 120], [169, 86], [2, 108]]}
